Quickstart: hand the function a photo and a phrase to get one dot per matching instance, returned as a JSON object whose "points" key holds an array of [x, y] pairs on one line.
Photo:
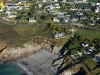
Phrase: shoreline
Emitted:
{"points": [[12, 53], [32, 58], [39, 63], [24, 68]]}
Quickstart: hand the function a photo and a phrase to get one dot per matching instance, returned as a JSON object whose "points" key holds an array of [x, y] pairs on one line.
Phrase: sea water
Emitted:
{"points": [[10, 68]]}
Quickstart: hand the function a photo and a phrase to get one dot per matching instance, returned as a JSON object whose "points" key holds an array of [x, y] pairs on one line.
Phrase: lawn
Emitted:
{"points": [[91, 13], [88, 33], [83, 5], [90, 63], [74, 48]]}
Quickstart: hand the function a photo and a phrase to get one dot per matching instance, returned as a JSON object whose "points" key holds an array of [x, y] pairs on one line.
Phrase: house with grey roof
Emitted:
{"points": [[65, 19], [83, 17], [73, 19], [59, 34], [97, 58], [79, 13]]}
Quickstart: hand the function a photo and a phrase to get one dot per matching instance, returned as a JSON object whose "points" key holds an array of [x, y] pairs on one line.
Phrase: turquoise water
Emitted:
{"points": [[10, 68]]}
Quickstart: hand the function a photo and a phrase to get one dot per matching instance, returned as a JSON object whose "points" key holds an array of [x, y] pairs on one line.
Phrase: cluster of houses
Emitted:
{"points": [[10, 9], [63, 16], [52, 7], [87, 50]]}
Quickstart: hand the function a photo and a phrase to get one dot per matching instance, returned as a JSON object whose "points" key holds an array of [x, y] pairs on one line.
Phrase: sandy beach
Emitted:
{"points": [[39, 63]]}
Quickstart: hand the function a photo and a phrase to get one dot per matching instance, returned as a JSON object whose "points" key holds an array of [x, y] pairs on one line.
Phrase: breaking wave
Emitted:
{"points": [[28, 72]]}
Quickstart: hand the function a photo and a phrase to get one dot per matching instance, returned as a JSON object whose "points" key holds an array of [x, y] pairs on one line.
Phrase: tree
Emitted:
{"points": [[58, 28], [88, 40], [81, 39], [53, 26]]}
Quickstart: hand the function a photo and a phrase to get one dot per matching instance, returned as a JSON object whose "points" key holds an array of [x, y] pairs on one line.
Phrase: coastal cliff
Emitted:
{"points": [[13, 53]]}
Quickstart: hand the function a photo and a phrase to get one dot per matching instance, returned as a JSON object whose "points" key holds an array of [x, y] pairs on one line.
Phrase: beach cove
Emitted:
{"points": [[33, 59]]}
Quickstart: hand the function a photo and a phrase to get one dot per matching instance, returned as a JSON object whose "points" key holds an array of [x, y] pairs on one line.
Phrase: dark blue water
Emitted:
{"points": [[10, 68]]}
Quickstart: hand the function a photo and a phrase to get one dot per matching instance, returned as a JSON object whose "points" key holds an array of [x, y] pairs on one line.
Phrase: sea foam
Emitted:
{"points": [[28, 72]]}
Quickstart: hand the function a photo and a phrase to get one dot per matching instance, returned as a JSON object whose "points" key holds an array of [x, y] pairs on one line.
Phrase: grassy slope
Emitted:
{"points": [[25, 31]]}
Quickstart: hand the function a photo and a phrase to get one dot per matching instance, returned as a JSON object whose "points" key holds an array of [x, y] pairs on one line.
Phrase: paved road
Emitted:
{"points": [[63, 25]]}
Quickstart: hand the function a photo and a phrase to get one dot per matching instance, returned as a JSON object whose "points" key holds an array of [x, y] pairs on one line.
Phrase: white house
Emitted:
{"points": [[79, 13], [71, 29], [86, 52], [51, 7], [73, 19], [93, 4], [12, 15], [55, 0], [87, 9], [73, 8], [55, 19], [97, 3], [57, 7], [32, 20], [59, 35], [39, 5], [63, 1], [85, 44], [97, 58], [56, 3], [61, 14], [44, 1], [19, 8], [96, 10], [65, 19], [79, 0], [83, 17], [91, 22]]}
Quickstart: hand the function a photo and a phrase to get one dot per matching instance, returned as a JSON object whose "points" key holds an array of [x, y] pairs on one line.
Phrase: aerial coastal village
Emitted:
{"points": [[51, 37]]}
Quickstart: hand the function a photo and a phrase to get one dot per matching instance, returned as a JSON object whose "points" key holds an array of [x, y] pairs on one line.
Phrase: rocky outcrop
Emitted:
{"points": [[68, 72], [3, 45], [14, 53]]}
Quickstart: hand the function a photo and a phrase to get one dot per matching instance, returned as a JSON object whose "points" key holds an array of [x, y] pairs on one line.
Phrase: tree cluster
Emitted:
{"points": [[53, 26], [85, 39]]}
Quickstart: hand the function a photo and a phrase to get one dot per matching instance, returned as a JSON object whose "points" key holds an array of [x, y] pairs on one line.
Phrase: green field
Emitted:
{"points": [[88, 33], [90, 63]]}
